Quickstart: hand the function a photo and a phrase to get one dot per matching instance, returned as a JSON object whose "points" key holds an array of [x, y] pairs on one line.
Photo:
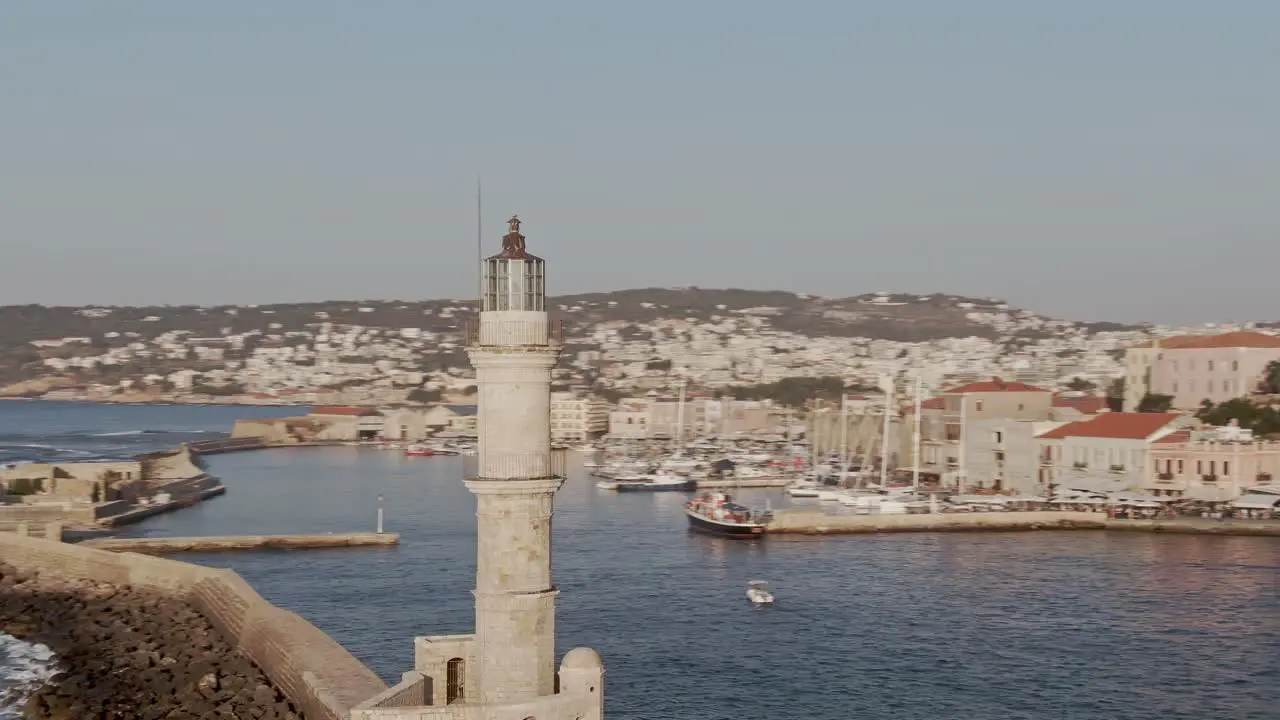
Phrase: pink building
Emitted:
{"points": [[1213, 367], [1205, 465]]}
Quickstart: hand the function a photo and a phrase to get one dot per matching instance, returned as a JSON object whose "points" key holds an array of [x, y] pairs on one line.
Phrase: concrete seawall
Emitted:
{"points": [[316, 673], [816, 522], [163, 545]]}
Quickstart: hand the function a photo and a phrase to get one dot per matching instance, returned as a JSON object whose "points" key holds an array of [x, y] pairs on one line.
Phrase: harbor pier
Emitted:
{"points": [[167, 545]]}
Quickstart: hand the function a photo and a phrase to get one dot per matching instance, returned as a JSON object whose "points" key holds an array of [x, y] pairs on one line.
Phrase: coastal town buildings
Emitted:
{"points": [[577, 416], [1109, 452], [1212, 464], [1194, 368]]}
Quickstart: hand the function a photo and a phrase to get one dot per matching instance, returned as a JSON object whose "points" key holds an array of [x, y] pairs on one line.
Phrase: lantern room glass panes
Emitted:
{"points": [[515, 284]]}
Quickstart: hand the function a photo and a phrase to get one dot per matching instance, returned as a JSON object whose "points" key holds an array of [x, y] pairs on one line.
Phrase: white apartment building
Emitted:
{"points": [[577, 417], [1107, 453]]}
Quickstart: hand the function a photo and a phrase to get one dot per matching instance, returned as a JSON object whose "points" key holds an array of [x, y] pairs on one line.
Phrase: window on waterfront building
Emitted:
{"points": [[1199, 467], [1235, 365], [1179, 467], [1175, 386], [1226, 467], [1226, 386], [978, 406], [1210, 366]]}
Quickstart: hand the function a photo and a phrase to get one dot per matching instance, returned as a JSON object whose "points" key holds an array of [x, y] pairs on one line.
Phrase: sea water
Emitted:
{"points": [[24, 668]]}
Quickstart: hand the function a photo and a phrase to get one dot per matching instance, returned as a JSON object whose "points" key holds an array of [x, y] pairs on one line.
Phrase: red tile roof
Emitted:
{"points": [[995, 384], [344, 411], [1117, 425], [1240, 339], [930, 404], [1087, 404], [1179, 436]]}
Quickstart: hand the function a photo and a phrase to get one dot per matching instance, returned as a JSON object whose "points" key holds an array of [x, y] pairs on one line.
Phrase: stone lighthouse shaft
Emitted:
{"points": [[513, 353], [506, 670]]}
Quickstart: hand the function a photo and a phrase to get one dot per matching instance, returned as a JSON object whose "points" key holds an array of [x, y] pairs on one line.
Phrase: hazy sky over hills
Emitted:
{"points": [[1095, 160]]}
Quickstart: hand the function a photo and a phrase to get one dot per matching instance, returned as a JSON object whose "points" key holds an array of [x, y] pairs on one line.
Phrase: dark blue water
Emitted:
{"points": [[67, 432], [1039, 626]]}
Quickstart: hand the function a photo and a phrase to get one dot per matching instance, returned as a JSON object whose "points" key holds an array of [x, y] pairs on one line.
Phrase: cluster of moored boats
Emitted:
{"points": [[432, 449]]}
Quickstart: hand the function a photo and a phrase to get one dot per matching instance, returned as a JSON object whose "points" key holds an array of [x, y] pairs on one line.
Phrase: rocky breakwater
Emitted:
{"points": [[131, 652]]}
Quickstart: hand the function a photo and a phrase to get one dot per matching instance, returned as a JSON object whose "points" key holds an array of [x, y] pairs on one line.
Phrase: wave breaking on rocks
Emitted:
{"points": [[113, 651], [24, 668]]}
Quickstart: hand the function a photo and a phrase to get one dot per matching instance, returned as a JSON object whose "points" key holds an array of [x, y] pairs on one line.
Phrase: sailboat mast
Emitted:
{"points": [[844, 438], [884, 440], [915, 470]]}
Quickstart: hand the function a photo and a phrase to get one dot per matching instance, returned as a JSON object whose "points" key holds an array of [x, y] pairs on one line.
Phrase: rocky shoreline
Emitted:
{"points": [[131, 653]]}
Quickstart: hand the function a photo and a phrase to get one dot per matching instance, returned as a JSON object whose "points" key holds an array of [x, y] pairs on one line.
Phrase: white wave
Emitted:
{"points": [[24, 668], [119, 434]]}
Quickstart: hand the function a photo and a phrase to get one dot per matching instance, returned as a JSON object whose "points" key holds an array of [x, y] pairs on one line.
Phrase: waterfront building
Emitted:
{"points": [[348, 423], [1109, 452], [453, 419], [995, 399], [1195, 368], [630, 419], [506, 670], [577, 417], [1212, 464]]}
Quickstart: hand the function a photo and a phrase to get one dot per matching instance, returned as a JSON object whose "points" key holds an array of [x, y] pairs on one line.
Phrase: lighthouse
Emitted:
{"points": [[506, 670], [513, 352]]}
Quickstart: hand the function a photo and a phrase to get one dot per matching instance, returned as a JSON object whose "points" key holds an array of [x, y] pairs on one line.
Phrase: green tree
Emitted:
{"points": [[1116, 388], [1271, 378], [1079, 384], [1262, 420], [1155, 403], [96, 495]]}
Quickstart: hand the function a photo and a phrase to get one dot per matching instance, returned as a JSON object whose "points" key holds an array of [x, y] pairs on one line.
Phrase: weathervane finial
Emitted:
{"points": [[513, 242]]}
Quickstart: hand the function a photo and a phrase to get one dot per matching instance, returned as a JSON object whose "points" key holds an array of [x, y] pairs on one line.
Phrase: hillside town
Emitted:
{"points": [[1003, 401]]}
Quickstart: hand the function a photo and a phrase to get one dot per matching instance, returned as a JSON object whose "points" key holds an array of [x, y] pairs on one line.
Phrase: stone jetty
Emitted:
{"points": [[148, 637], [163, 545], [129, 652]]}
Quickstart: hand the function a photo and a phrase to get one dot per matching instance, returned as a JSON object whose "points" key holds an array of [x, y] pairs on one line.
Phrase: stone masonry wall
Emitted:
{"points": [[317, 674]]}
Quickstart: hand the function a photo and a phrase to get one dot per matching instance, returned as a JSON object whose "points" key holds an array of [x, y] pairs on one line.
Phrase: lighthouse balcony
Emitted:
{"points": [[497, 466], [518, 331]]}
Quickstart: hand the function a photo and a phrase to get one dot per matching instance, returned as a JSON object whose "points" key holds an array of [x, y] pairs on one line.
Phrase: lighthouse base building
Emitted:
{"points": [[507, 669]]}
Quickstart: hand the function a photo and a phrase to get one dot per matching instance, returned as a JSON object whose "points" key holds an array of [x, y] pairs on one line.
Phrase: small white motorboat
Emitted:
{"points": [[758, 593]]}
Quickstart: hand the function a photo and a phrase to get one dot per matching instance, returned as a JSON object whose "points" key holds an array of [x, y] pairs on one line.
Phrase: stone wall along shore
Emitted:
{"points": [[127, 652], [116, 617]]}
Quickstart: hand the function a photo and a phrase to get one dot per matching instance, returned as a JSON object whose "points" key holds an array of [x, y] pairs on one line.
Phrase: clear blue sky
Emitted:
{"points": [[1090, 159]]}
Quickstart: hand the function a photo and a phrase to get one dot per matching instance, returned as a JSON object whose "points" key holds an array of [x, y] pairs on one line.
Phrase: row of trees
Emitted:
{"points": [[796, 391], [1261, 419]]}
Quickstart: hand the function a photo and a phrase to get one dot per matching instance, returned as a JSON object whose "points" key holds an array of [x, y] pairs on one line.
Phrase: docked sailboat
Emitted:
{"points": [[716, 513]]}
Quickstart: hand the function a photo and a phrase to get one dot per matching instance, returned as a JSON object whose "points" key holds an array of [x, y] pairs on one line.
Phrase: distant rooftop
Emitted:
{"points": [[995, 384], [1115, 425], [1240, 339]]}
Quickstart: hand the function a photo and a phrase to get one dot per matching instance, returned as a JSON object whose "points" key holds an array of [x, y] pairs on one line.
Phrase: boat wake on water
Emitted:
{"points": [[24, 668]]}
